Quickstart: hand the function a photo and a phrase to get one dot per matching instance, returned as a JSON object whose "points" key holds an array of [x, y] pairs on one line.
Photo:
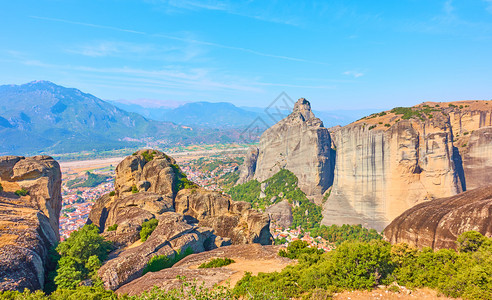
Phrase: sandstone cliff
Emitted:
{"points": [[439, 222], [28, 224], [232, 219], [391, 161], [298, 143]]}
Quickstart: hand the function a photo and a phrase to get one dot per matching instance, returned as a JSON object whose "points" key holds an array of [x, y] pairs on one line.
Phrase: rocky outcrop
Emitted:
{"points": [[253, 258], [28, 224], [248, 168], [173, 235], [147, 170], [439, 222], [232, 219], [280, 214], [391, 161], [300, 144], [130, 212], [150, 185]]}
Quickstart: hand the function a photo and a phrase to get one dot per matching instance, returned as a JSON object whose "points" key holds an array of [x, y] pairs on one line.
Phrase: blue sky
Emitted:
{"points": [[337, 54]]}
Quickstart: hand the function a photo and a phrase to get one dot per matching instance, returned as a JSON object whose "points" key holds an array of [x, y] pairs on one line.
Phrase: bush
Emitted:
{"points": [[112, 193], [339, 234], [148, 156], [1, 188], [21, 192], [161, 262], [147, 228], [113, 227], [470, 241], [216, 263], [134, 189]]}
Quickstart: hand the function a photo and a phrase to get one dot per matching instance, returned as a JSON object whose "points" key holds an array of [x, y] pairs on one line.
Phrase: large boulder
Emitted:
{"points": [[439, 222], [232, 219], [147, 170], [173, 235], [28, 224]]}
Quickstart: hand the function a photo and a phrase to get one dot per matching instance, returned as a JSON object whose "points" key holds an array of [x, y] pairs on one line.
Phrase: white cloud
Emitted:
{"points": [[354, 74]]}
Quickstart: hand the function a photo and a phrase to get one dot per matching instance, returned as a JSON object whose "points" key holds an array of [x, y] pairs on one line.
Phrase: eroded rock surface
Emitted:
{"points": [[253, 258], [232, 219], [300, 144], [280, 214], [28, 224], [386, 164], [172, 235], [439, 222]]}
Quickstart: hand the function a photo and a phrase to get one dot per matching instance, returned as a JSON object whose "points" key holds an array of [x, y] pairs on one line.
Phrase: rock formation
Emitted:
{"points": [[248, 168], [391, 161], [232, 219], [150, 185], [28, 224], [173, 235], [263, 258], [439, 222], [280, 214], [300, 144]]}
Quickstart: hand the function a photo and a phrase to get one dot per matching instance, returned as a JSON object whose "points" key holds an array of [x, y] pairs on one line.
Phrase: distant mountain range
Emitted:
{"points": [[227, 115], [42, 117]]}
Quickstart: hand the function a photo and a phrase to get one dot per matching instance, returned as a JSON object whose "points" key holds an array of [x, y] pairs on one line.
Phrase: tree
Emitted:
{"points": [[469, 241]]}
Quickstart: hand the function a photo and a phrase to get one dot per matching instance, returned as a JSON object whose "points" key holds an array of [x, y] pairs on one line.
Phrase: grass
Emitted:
{"points": [[216, 263]]}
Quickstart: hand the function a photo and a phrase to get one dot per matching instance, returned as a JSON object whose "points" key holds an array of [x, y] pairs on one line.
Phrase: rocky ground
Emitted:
{"points": [[252, 258]]}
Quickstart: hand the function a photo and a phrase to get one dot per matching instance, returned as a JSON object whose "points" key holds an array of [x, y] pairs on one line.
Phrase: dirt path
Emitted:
{"points": [[383, 294]]}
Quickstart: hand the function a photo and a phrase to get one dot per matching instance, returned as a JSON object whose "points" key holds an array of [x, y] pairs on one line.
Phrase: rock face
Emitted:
{"points": [[172, 235], [438, 150], [146, 170], [439, 222], [263, 258], [232, 219], [300, 144], [280, 214], [28, 224], [248, 168]]}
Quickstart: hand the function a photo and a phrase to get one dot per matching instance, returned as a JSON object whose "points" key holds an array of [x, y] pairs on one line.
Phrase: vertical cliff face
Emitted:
{"points": [[391, 161], [28, 221], [248, 168], [300, 144]]}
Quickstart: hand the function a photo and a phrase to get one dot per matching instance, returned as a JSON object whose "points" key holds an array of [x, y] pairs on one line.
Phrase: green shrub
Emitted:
{"points": [[113, 227], [1, 188], [134, 189], [21, 192], [339, 234], [112, 193], [147, 228], [216, 263], [81, 256], [372, 127], [387, 125], [161, 262], [148, 156], [470, 241]]}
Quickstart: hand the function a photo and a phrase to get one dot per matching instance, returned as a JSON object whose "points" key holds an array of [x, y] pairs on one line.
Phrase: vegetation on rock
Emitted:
{"points": [[216, 263], [280, 186], [113, 227], [147, 228], [21, 192], [161, 262]]}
